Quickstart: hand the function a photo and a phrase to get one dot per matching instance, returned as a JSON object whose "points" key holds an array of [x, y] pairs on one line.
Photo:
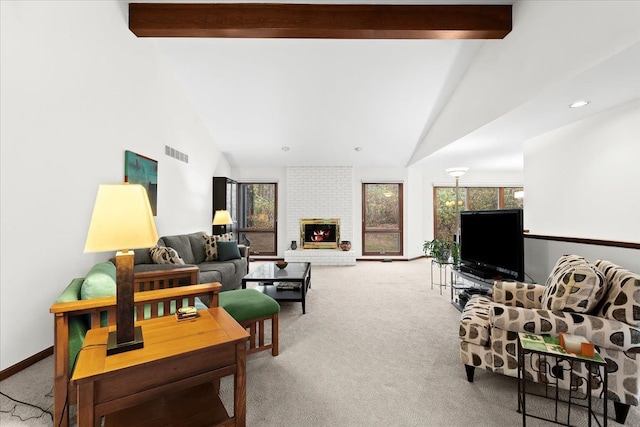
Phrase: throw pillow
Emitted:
{"points": [[99, 282], [622, 302], [558, 270], [564, 262], [165, 255], [579, 288], [211, 247], [228, 250]]}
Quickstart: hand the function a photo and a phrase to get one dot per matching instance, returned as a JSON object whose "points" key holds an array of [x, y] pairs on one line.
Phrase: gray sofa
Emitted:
{"points": [[191, 248]]}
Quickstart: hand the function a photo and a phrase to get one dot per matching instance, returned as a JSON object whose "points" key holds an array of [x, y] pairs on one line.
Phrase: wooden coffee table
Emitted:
{"points": [[178, 370], [272, 279]]}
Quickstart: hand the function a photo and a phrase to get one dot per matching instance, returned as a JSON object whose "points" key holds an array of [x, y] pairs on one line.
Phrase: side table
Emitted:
{"points": [[173, 380], [544, 346], [442, 272]]}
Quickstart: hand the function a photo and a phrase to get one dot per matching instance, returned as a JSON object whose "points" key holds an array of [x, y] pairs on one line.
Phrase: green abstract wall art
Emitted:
{"points": [[142, 170]]}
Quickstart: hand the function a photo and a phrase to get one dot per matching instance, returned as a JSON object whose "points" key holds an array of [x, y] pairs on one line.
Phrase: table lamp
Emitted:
{"points": [[222, 218], [122, 220]]}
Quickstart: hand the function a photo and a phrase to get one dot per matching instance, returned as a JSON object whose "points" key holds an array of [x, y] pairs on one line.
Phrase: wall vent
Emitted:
{"points": [[179, 155]]}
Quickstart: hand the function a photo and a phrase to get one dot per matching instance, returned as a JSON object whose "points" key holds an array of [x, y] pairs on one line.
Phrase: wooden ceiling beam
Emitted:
{"points": [[335, 21]]}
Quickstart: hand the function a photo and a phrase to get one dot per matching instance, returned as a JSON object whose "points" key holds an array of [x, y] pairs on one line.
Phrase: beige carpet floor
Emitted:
{"points": [[377, 347]]}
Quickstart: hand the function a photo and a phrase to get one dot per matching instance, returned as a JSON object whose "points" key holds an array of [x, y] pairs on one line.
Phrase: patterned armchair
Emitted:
{"points": [[600, 302]]}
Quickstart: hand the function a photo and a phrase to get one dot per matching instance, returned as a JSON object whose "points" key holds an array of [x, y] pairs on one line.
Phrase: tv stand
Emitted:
{"points": [[467, 284], [476, 272]]}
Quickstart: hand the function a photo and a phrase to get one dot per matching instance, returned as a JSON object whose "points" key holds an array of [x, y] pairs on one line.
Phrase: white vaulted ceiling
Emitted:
{"points": [[427, 103]]}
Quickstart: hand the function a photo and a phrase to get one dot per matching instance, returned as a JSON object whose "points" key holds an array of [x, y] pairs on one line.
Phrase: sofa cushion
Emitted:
{"points": [[211, 246], [564, 262], [622, 301], [578, 288], [228, 251], [210, 276], [182, 244], [165, 255], [99, 282], [197, 246], [142, 256], [245, 304]]}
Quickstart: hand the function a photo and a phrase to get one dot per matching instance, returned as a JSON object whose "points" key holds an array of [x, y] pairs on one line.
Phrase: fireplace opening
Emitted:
{"points": [[320, 233]]}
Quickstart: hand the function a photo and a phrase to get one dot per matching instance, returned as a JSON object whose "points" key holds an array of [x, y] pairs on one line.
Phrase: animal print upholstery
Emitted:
{"points": [[211, 247], [623, 299], [516, 307], [165, 255]]}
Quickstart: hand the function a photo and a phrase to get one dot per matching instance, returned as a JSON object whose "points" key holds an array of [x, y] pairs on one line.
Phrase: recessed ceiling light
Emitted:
{"points": [[358, 148], [285, 148], [579, 104]]}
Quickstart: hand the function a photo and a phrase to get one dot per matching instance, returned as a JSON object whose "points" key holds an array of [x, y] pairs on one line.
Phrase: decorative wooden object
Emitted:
{"points": [[329, 21]]}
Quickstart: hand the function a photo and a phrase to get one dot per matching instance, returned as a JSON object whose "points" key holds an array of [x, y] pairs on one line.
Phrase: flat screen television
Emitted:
{"points": [[492, 244]]}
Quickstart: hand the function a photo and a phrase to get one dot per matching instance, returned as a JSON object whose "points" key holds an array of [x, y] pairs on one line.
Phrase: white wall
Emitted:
{"points": [[540, 256], [561, 40], [78, 89], [582, 180]]}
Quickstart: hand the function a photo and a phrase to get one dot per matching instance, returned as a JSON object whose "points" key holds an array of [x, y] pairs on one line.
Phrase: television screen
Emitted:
{"points": [[492, 243]]}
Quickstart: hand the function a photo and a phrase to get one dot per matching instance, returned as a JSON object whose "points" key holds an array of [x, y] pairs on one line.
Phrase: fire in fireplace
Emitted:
{"points": [[320, 233]]}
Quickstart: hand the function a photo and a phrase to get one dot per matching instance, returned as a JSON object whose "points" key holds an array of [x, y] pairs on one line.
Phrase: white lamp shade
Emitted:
{"points": [[222, 217], [122, 219], [457, 172]]}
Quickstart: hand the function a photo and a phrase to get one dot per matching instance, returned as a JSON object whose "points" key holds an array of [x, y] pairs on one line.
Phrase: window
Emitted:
{"points": [[470, 198], [382, 219], [257, 218]]}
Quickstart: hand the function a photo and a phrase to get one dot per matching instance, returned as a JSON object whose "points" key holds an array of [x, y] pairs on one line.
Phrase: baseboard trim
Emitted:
{"points": [[11, 370]]}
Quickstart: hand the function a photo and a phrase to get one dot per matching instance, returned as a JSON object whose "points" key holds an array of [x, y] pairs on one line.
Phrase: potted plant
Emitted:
{"points": [[442, 250]]}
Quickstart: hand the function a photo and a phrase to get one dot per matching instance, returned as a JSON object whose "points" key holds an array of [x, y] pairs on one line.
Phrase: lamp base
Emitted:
{"points": [[114, 348]]}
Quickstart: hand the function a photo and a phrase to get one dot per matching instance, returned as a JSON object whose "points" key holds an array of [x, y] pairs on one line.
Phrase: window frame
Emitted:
{"points": [[242, 220], [465, 199], [399, 230]]}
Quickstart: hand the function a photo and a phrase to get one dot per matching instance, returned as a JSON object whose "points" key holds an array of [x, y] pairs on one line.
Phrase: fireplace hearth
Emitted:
{"points": [[319, 233]]}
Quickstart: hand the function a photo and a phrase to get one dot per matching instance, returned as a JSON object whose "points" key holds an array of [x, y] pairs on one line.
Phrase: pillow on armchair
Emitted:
{"points": [[576, 287], [622, 302]]}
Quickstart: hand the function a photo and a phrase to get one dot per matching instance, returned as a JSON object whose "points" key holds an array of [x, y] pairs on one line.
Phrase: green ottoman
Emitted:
{"points": [[250, 308]]}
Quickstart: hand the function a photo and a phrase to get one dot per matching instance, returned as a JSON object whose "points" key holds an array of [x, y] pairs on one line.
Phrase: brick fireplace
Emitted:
{"points": [[322, 192]]}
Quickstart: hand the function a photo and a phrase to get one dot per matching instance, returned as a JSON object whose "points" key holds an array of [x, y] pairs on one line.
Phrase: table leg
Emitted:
{"points": [[604, 393], [85, 410], [240, 378]]}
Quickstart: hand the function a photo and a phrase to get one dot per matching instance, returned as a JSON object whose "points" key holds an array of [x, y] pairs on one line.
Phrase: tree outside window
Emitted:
{"points": [[258, 216], [382, 222], [471, 198]]}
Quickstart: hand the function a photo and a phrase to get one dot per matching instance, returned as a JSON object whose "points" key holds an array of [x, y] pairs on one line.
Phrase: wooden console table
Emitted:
{"points": [[179, 360]]}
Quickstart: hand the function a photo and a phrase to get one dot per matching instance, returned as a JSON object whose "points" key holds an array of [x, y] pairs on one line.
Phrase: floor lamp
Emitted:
{"points": [[457, 173], [122, 218]]}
